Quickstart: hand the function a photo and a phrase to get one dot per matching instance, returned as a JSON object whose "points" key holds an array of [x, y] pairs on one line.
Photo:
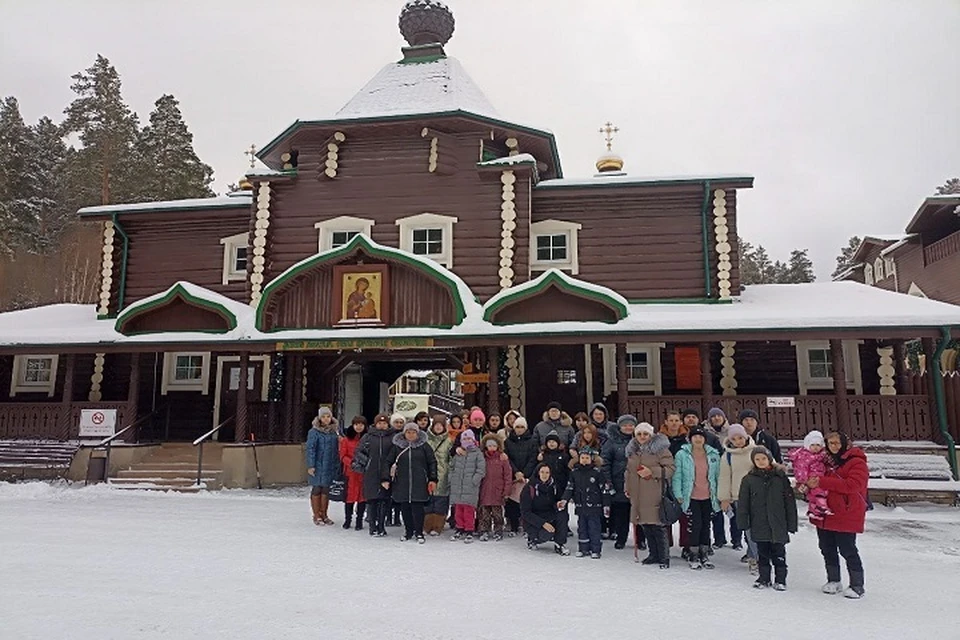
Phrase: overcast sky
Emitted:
{"points": [[847, 113]]}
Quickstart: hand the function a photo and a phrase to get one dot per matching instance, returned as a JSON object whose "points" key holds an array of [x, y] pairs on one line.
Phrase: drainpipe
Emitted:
{"points": [[123, 262], [940, 397], [706, 243]]}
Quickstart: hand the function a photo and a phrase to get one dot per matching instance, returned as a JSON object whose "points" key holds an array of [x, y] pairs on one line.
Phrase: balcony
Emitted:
{"points": [[942, 248]]}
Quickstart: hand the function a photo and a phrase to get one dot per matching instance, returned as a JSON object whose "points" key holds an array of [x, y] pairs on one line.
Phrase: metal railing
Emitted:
{"points": [[133, 427], [199, 443]]}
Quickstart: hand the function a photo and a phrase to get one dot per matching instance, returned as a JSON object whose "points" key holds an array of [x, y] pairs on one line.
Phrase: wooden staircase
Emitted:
{"points": [[35, 459], [173, 467]]}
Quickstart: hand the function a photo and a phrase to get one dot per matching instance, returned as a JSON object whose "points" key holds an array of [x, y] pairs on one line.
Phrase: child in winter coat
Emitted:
{"points": [[768, 510], [494, 488], [695, 486], [323, 458], [809, 461], [466, 474], [586, 488], [554, 457]]}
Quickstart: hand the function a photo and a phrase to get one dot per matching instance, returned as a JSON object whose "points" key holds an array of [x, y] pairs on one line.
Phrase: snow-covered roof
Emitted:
{"points": [[773, 307], [261, 170], [520, 158], [621, 179], [242, 313], [884, 239], [899, 243], [846, 272], [413, 88], [233, 201]]}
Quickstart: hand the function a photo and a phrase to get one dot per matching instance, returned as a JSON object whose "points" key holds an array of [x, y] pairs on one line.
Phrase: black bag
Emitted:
{"points": [[338, 486], [360, 461], [670, 508]]}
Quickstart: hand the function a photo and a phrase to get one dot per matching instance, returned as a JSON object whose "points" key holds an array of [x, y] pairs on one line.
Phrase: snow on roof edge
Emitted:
{"points": [[216, 202], [626, 179]]}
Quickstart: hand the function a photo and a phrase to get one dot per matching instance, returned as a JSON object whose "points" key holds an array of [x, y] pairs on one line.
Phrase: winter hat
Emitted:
{"points": [[492, 440], [716, 411], [553, 435], [555, 405], [324, 411], [760, 449], [627, 419], [814, 437], [697, 431], [737, 430], [643, 427], [748, 413], [477, 414], [468, 440], [411, 426], [381, 417], [689, 412], [587, 451], [398, 417], [520, 422]]}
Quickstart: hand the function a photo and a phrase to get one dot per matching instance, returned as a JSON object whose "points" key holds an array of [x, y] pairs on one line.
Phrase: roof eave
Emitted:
{"points": [[744, 182]]}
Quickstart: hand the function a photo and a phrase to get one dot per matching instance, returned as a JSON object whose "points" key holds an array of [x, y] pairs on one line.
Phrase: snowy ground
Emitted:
{"points": [[98, 563]]}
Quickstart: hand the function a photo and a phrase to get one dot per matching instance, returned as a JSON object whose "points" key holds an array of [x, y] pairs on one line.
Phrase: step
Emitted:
{"points": [[162, 482], [166, 473], [177, 466], [146, 486]]}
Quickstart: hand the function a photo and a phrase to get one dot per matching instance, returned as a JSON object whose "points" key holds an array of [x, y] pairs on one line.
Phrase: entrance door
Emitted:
{"points": [[229, 385], [555, 372]]}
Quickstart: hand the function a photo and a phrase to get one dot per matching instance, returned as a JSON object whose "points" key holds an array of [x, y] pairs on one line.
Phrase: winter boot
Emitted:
{"points": [[324, 505], [705, 557], [663, 547], [361, 509], [833, 585], [348, 515], [693, 557], [855, 591], [561, 549], [315, 507], [780, 578], [764, 575], [752, 566]]}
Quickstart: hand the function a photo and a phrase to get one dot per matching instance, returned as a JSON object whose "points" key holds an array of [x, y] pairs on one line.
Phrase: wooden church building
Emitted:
{"points": [[417, 228]]}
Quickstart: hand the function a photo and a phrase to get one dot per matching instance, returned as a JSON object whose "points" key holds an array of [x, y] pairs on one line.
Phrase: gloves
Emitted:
{"points": [[431, 487]]}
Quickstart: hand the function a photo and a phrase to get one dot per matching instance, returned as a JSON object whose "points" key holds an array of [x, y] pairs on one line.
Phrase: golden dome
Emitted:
{"points": [[609, 162]]}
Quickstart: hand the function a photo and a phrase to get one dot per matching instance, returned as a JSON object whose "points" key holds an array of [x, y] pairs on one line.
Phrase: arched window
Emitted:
{"points": [[878, 269], [868, 274]]}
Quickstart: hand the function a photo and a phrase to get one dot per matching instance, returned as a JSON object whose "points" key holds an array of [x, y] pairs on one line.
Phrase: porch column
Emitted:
{"points": [[493, 380], [899, 358], [623, 388], [65, 427], [706, 375], [840, 384], [133, 392], [241, 424]]}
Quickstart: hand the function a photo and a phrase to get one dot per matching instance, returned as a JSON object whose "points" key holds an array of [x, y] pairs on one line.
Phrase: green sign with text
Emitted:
{"points": [[358, 343]]}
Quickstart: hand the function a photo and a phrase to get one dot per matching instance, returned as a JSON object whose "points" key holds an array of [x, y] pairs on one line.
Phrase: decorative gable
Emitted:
{"points": [[184, 307], [555, 297]]}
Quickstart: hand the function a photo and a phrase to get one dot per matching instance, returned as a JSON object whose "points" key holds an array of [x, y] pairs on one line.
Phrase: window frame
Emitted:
{"points": [[169, 381], [868, 274], [349, 224], [654, 381], [230, 246], [427, 221], [851, 365], [878, 270], [427, 241], [555, 228], [18, 383]]}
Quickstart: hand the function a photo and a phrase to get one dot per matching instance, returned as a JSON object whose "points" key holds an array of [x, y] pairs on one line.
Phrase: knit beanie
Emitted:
{"points": [[716, 411], [477, 414], [553, 435], [748, 413], [696, 431], [737, 429], [555, 405], [760, 449], [643, 427], [397, 417], [324, 411], [689, 412], [488, 440], [521, 422], [627, 419], [814, 437], [411, 426], [468, 440], [587, 451]]}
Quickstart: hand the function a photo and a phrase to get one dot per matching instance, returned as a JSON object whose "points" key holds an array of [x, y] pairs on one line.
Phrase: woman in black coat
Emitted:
{"points": [[411, 474], [614, 465], [375, 447], [542, 517]]}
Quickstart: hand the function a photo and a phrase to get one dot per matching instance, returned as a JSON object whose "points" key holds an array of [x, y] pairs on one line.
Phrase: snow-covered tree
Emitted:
{"points": [[18, 189], [949, 187], [102, 171], [845, 259], [756, 267], [799, 268], [171, 168], [54, 207]]}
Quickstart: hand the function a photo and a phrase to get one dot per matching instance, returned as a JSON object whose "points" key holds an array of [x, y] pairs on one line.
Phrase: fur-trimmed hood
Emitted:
{"points": [[333, 427], [565, 419], [614, 433], [654, 446], [739, 451], [495, 438], [403, 443]]}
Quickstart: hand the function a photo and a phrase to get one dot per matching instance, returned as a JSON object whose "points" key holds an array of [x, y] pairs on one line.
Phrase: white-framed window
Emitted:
{"points": [[235, 257], [643, 367], [553, 244], [429, 235], [336, 232], [878, 269], [186, 371], [868, 274], [34, 374], [815, 365], [889, 266]]}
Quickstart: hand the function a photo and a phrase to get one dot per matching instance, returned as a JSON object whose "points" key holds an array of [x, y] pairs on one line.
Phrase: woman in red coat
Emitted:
{"points": [[348, 446], [846, 484]]}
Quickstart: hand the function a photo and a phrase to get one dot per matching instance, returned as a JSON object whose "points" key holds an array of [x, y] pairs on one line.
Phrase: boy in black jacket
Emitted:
{"points": [[586, 487]]}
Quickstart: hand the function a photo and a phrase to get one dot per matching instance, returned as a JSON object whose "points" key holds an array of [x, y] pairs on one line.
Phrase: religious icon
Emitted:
{"points": [[361, 295]]}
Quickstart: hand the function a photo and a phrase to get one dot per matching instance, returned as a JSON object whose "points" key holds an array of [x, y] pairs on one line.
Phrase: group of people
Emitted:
{"points": [[490, 476]]}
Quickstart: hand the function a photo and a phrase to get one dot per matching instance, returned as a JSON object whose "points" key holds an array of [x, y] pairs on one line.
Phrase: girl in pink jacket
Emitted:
{"points": [[809, 461]]}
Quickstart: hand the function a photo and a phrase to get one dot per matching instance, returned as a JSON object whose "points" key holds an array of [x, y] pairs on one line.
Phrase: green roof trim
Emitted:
{"points": [[591, 183], [174, 292], [558, 279], [359, 241], [414, 116]]}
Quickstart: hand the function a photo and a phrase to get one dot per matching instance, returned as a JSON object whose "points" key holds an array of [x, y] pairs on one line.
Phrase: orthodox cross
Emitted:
{"points": [[608, 129], [252, 153]]}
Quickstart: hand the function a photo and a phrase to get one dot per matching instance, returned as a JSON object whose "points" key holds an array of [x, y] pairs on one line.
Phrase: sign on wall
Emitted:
{"points": [[98, 423], [782, 402]]}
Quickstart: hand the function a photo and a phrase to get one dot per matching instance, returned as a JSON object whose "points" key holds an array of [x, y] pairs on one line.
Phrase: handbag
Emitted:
{"points": [[361, 460], [670, 508], [338, 486]]}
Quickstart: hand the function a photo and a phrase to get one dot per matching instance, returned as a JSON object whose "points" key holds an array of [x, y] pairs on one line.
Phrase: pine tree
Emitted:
{"points": [[949, 187], [102, 170], [845, 259], [18, 189], [54, 207], [172, 168], [799, 268], [756, 267]]}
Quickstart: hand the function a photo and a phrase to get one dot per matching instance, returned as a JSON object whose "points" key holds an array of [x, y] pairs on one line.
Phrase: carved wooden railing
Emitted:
{"points": [[942, 248]]}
